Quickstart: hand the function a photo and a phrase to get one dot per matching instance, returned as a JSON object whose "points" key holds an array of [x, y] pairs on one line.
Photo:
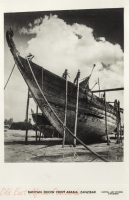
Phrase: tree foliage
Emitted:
{"points": [[20, 126], [8, 121]]}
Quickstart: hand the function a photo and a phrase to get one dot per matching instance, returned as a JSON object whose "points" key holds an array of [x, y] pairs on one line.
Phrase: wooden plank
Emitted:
{"points": [[27, 108], [108, 90], [76, 112], [36, 120], [66, 95], [106, 133]]}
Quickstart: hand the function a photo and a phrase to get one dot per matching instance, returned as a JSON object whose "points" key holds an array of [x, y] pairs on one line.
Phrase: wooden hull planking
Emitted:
{"points": [[91, 114]]}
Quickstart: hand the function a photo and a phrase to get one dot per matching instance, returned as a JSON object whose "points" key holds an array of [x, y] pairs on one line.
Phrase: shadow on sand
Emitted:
{"points": [[46, 143]]}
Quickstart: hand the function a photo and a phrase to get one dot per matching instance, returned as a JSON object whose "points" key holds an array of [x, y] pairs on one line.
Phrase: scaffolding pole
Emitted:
{"points": [[108, 90], [66, 99], [118, 123], [53, 133], [27, 108], [76, 112], [36, 120], [106, 132]]}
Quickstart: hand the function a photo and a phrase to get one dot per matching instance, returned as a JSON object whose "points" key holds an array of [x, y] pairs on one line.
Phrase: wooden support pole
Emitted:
{"points": [[118, 122], [92, 69], [76, 112], [106, 133], [66, 99], [108, 90], [36, 120], [53, 133], [27, 108], [40, 134], [43, 130], [9, 76], [42, 127], [94, 85]]}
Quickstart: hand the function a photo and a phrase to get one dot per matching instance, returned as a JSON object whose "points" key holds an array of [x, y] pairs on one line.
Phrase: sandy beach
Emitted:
{"points": [[50, 150]]}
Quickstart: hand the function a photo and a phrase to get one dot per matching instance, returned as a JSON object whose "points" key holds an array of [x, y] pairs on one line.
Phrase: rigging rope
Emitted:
{"points": [[60, 119], [9, 76]]}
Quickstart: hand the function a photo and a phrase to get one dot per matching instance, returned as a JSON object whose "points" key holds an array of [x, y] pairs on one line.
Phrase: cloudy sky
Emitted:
{"points": [[58, 40]]}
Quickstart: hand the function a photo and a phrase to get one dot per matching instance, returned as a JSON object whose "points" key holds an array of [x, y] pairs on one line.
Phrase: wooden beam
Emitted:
{"points": [[53, 133], [66, 95], [120, 124], [106, 133], [36, 120], [108, 90], [76, 112], [27, 108]]}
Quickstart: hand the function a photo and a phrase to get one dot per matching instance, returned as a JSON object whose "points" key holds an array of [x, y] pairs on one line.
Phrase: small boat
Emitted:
{"points": [[44, 126], [49, 92], [40, 118]]}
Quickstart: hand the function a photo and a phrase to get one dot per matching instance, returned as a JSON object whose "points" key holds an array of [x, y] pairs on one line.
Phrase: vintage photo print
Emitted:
{"points": [[64, 99], [64, 95]]}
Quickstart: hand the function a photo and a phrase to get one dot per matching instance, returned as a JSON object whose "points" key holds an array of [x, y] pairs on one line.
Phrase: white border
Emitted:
{"points": [[86, 174]]}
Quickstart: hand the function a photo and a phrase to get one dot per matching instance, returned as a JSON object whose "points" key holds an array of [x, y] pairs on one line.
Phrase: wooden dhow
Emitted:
{"points": [[43, 126], [48, 90]]}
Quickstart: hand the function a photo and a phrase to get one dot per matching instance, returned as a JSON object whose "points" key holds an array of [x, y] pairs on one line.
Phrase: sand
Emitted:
{"points": [[50, 150]]}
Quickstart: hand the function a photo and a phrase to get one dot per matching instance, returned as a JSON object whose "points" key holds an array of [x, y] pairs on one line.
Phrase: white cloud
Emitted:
{"points": [[101, 39], [58, 46]]}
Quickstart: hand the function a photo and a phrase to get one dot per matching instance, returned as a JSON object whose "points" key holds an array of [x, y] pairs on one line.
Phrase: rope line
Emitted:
{"points": [[9, 76], [60, 119]]}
